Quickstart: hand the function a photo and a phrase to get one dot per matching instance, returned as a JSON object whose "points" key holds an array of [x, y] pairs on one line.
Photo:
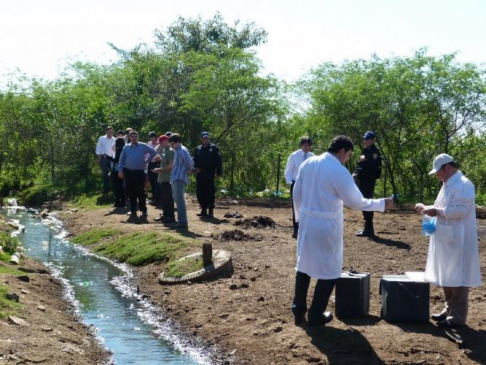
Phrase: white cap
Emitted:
{"points": [[440, 160]]}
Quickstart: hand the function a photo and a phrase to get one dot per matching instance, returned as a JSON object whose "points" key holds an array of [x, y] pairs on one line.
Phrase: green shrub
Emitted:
{"points": [[36, 195], [9, 244]]}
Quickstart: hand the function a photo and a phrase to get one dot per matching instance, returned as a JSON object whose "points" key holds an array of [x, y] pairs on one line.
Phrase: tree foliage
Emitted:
{"points": [[419, 107], [203, 75]]}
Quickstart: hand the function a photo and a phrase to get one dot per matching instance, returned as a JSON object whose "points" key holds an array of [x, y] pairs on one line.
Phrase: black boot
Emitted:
{"points": [[204, 213], [322, 292], [211, 213], [368, 231], [299, 305]]}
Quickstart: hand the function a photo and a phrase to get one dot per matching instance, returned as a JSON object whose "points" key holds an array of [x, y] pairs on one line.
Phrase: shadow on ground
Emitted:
{"points": [[342, 346], [392, 243], [473, 340]]}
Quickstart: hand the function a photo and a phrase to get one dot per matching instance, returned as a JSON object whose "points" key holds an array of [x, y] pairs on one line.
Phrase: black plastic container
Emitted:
{"points": [[353, 295], [403, 299]]}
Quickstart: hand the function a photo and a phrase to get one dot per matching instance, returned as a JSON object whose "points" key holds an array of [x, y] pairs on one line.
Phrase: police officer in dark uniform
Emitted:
{"points": [[208, 164], [367, 171]]}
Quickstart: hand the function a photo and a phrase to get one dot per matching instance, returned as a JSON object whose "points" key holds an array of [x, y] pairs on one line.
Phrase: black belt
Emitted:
{"points": [[130, 170]]}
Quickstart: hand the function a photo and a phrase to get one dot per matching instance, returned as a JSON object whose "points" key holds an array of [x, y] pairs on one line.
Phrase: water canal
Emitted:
{"points": [[130, 327]]}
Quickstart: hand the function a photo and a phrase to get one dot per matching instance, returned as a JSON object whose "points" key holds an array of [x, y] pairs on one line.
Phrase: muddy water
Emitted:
{"points": [[129, 326]]}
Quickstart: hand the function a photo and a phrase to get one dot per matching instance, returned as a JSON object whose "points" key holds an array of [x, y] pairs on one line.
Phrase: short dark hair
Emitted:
{"points": [[153, 135], [133, 132], [109, 127], [304, 140], [451, 164], [175, 137], [340, 142]]}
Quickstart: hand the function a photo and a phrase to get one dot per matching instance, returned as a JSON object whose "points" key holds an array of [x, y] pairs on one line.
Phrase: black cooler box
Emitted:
{"points": [[403, 299], [353, 295]]}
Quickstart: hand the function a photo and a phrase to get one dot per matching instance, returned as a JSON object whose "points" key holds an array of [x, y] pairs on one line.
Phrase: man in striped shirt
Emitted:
{"points": [[179, 178]]}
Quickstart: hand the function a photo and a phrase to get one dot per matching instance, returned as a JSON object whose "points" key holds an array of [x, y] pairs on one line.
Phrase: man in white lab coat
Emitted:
{"points": [[291, 170], [323, 185], [453, 260]]}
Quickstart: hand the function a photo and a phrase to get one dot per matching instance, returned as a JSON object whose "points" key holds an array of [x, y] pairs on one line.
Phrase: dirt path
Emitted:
{"points": [[248, 314], [54, 334]]}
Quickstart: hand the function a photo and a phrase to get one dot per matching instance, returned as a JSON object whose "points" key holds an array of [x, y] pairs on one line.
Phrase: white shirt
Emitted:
{"points": [[293, 164], [106, 145], [453, 258], [323, 185]]}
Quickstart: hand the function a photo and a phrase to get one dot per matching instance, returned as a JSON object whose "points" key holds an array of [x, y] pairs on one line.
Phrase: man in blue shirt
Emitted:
{"points": [[131, 167], [179, 177]]}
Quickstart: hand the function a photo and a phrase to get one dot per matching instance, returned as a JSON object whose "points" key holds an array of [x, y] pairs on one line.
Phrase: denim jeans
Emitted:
{"points": [[178, 190]]}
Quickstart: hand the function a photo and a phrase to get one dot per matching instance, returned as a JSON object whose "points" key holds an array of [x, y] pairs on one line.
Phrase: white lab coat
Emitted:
{"points": [[293, 164], [453, 258], [322, 185]]}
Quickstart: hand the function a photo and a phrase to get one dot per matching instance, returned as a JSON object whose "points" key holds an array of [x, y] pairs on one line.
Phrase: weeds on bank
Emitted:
{"points": [[8, 307], [94, 236], [93, 201], [137, 248], [142, 248]]}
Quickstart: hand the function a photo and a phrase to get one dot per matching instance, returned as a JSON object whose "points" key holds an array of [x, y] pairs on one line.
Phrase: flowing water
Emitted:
{"points": [[134, 330]]}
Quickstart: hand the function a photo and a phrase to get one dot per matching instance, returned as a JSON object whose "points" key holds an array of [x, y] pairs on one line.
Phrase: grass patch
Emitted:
{"points": [[142, 248], [94, 236], [7, 306], [5, 257], [9, 270], [93, 201], [180, 268]]}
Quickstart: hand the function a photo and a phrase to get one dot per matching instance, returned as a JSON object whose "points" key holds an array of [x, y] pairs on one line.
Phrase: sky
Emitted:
{"points": [[41, 37]]}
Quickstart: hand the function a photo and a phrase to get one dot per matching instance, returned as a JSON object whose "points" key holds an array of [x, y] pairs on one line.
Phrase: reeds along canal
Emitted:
{"points": [[132, 328]]}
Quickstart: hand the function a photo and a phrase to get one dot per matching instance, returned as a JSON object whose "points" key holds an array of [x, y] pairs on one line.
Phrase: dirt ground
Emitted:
{"points": [[54, 334], [248, 314]]}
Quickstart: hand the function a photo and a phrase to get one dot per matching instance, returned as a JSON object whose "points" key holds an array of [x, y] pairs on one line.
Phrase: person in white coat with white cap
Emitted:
{"points": [[323, 185], [453, 259]]}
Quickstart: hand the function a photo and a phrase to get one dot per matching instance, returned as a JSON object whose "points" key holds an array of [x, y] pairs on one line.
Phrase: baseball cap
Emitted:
{"points": [[204, 134], [369, 135], [163, 137], [440, 160]]}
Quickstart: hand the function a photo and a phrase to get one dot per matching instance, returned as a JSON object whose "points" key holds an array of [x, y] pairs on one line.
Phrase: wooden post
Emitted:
{"points": [[207, 254], [278, 175]]}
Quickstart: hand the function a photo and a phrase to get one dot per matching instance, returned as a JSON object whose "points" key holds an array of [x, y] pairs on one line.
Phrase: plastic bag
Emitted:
{"points": [[428, 225]]}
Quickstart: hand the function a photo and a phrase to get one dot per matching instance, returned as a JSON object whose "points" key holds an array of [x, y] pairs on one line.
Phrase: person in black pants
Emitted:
{"points": [[131, 167], [367, 171], [116, 181], [208, 164], [153, 177]]}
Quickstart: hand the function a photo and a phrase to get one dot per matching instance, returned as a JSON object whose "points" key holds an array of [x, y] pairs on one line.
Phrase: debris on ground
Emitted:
{"points": [[233, 215], [256, 222]]}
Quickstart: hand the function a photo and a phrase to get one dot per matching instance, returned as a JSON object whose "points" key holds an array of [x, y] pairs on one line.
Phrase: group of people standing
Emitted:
{"points": [[165, 165], [322, 185]]}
